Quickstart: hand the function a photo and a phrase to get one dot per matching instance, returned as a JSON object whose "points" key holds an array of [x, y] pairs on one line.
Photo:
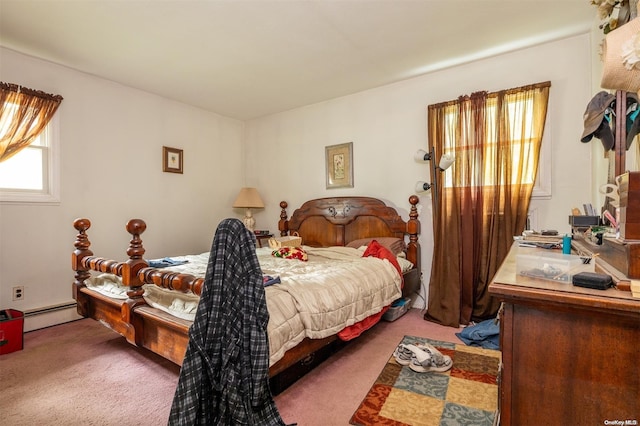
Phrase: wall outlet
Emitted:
{"points": [[18, 292]]}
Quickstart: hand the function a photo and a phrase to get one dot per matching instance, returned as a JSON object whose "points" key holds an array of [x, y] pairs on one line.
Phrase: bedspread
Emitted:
{"points": [[335, 288]]}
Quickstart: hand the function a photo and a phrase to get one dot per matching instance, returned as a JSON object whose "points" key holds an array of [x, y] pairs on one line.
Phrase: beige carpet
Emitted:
{"points": [[82, 373]]}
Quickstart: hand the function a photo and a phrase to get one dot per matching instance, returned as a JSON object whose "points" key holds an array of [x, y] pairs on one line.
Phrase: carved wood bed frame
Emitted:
{"points": [[321, 223]]}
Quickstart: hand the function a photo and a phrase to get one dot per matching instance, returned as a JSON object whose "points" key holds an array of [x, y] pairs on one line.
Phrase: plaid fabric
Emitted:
{"points": [[224, 378]]}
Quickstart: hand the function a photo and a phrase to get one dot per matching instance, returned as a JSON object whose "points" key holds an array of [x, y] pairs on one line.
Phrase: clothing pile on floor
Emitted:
{"points": [[485, 334]]}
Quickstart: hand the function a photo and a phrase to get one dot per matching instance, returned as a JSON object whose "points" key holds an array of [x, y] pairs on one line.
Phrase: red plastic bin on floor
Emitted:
{"points": [[11, 331]]}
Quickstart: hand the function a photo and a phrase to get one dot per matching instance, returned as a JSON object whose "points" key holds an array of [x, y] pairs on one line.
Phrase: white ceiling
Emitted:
{"points": [[246, 59]]}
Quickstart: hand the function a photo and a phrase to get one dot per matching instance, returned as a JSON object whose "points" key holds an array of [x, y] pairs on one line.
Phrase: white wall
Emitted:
{"points": [[111, 156], [111, 138], [286, 158]]}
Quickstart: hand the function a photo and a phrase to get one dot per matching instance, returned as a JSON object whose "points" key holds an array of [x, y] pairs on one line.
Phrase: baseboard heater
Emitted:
{"points": [[50, 309]]}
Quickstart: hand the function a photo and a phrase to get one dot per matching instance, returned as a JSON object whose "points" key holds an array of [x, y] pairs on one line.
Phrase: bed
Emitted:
{"points": [[331, 228]]}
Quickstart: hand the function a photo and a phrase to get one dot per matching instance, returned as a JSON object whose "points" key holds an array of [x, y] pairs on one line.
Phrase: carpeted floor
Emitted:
{"points": [[81, 373], [465, 395]]}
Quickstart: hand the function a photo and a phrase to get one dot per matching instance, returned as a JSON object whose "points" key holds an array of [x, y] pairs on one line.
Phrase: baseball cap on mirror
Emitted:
{"points": [[595, 121]]}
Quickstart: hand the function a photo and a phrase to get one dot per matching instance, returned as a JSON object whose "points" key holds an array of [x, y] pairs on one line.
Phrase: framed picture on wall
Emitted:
{"points": [[172, 160], [339, 164]]}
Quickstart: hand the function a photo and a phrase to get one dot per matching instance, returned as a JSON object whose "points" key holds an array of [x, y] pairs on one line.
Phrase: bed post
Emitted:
{"points": [[130, 278], [82, 245], [413, 229], [283, 223]]}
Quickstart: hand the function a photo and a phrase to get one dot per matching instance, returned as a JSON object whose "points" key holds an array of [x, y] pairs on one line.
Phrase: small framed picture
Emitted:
{"points": [[339, 159], [172, 160]]}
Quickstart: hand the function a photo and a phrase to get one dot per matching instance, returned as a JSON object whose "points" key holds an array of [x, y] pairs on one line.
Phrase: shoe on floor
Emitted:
{"points": [[403, 355], [419, 353], [427, 358]]}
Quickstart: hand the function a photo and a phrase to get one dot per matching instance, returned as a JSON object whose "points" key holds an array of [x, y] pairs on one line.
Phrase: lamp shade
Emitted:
{"points": [[248, 198], [446, 161], [422, 186], [421, 155]]}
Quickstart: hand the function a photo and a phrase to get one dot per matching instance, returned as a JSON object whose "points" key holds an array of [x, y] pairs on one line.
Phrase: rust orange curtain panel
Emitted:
{"points": [[24, 113], [484, 198]]}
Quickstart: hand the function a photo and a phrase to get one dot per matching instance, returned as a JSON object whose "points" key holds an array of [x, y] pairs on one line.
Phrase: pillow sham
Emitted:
{"points": [[394, 245]]}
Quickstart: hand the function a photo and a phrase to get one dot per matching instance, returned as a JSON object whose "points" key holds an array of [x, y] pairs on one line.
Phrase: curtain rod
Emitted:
{"points": [[507, 91], [31, 92]]}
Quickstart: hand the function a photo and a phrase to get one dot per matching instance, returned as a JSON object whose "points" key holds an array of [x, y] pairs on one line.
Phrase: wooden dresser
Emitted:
{"points": [[570, 355]]}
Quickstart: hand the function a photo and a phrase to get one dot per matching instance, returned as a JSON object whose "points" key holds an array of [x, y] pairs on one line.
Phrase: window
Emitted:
{"points": [[32, 175], [521, 114]]}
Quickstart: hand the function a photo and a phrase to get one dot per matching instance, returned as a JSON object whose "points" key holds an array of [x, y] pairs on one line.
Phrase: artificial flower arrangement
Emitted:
{"points": [[613, 13]]}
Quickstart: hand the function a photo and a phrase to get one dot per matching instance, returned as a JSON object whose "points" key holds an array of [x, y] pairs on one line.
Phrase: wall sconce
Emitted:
{"points": [[445, 162]]}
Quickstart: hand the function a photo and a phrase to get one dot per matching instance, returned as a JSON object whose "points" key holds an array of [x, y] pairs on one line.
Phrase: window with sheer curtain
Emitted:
{"points": [[28, 145], [484, 197], [522, 143]]}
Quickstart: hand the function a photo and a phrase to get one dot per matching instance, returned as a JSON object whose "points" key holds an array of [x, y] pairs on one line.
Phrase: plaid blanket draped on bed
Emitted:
{"points": [[224, 376]]}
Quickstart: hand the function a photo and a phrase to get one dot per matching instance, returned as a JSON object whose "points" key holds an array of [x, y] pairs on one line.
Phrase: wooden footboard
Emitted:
{"points": [[168, 336], [343, 219]]}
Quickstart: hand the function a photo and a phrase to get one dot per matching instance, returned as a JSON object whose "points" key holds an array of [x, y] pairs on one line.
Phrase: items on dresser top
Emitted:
{"points": [[594, 280], [550, 266]]}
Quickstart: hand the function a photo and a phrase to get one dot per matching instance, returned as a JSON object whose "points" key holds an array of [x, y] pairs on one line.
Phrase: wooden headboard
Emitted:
{"points": [[336, 221]]}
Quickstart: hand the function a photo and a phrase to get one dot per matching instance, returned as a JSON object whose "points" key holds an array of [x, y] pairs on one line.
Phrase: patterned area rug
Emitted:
{"points": [[465, 395]]}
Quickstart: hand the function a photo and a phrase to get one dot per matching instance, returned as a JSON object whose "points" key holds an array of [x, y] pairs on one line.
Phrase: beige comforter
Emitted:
{"points": [[334, 289]]}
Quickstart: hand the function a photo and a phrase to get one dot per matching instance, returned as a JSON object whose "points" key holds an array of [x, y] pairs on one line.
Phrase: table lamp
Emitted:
{"points": [[248, 198]]}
